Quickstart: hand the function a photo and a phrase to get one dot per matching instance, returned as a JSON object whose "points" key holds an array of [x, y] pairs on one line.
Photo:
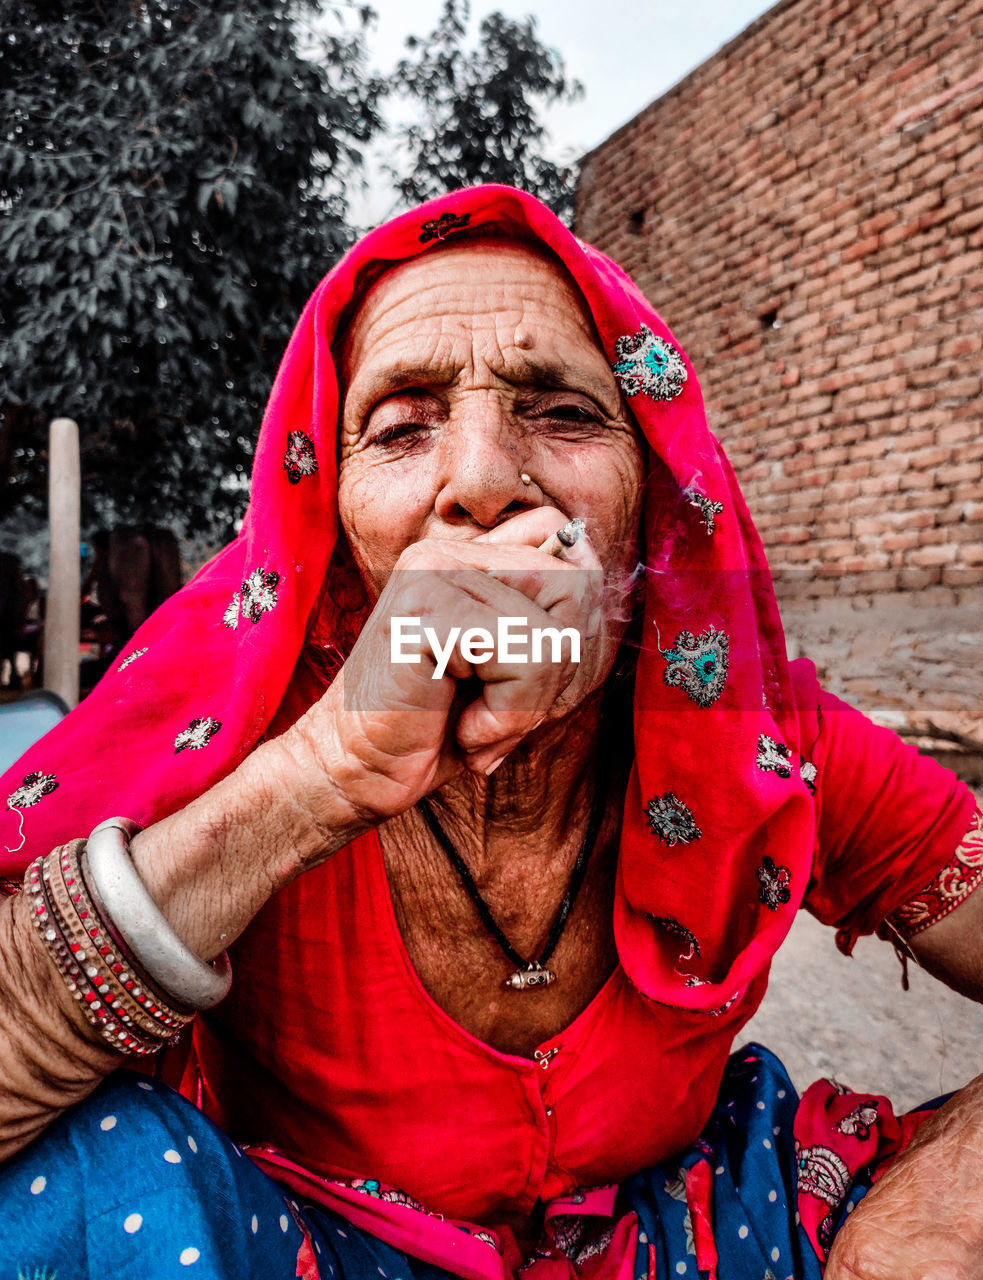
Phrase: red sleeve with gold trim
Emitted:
{"points": [[960, 876]]}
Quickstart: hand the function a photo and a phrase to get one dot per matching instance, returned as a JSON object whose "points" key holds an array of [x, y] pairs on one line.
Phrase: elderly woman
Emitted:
{"points": [[494, 923]]}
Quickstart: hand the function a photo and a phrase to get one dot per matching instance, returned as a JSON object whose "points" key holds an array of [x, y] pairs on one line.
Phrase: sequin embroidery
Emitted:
{"points": [[131, 657], [391, 1195], [774, 757], [440, 228], [822, 1174], [860, 1121], [698, 665], [671, 820], [198, 734], [300, 459], [373, 1187], [230, 618], [707, 508], [773, 884], [808, 773], [960, 877], [32, 790], [644, 362], [259, 594]]}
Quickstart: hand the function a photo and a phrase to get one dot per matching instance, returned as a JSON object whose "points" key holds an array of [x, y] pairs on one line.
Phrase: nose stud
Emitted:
{"points": [[525, 477]]}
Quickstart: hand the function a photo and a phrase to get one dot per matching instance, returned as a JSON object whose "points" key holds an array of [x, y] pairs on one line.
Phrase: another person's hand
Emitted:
{"points": [[924, 1219]]}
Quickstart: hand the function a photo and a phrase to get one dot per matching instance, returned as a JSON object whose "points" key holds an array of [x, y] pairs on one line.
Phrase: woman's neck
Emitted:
{"points": [[544, 786], [520, 834]]}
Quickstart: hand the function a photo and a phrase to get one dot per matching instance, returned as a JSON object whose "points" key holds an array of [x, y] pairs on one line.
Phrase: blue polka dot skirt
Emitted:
{"points": [[135, 1184]]}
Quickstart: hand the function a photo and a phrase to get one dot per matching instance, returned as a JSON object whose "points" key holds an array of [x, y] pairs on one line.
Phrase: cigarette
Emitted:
{"points": [[557, 543]]}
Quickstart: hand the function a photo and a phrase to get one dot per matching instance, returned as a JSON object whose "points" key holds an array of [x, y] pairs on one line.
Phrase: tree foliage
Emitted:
{"points": [[173, 178], [172, 181], [479, 109]]}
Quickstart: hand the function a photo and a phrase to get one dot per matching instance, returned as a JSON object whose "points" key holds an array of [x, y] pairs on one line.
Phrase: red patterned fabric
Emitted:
{"points": [[960, 876], [838, 1134]]}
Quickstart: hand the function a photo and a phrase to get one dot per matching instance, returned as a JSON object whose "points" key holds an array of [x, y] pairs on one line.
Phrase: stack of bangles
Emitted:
{"points": [[135, 980]]}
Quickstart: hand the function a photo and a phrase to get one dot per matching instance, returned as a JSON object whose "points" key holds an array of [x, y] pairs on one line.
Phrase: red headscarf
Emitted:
{"points": [[718, 832]]}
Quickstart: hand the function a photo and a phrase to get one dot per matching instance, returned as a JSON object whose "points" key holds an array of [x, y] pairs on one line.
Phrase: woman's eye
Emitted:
{"points": [[397, 433], [401, 421], [571, 413]]}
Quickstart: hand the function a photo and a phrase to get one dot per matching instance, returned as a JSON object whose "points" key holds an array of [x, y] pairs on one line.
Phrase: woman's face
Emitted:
{"points": [[464, 369]]}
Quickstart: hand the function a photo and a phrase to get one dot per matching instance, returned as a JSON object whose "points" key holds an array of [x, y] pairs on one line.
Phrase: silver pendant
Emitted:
{"points": [[533, 975]]}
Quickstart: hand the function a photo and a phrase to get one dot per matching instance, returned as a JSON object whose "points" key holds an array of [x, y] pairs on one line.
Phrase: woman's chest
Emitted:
{"points": [[330, 1047], [467, 943]]}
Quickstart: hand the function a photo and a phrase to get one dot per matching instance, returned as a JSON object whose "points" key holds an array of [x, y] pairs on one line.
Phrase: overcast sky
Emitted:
{"points": [[624, 54]]}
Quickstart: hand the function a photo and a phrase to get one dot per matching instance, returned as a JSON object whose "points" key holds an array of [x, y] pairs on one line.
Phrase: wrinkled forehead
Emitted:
{"points": [[465, 260]]}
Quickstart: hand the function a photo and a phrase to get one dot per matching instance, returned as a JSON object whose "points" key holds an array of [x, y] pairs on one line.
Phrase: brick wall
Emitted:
{"points": [[806, 211]]}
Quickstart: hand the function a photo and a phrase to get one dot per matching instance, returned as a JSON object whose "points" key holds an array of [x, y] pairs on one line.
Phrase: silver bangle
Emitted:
{"points": [[133, 914]]}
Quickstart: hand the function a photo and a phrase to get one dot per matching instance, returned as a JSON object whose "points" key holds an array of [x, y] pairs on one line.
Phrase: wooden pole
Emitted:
{"points": [[61, 625]]}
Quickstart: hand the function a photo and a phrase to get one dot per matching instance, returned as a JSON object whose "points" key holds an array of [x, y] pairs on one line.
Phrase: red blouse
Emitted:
{"points": [[330, 1049]]}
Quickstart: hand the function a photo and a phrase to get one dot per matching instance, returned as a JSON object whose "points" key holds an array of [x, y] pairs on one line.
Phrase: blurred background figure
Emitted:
{"points": [[13, 618], [134, 569]]}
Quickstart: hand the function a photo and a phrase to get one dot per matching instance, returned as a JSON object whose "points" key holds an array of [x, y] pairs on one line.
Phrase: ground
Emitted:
{"points": [[827, 1015]]}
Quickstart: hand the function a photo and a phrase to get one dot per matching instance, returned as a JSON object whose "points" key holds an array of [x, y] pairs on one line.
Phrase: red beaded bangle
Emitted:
{"points": [[144, 1000], [50, 932], [98, 974]]}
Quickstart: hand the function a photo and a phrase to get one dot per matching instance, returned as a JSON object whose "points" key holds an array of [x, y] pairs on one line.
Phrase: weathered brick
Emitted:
{"points": [[825, 168], [929, 557]]}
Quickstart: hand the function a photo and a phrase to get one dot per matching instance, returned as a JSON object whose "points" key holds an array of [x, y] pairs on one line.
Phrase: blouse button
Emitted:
{"points": [[549, 1111]]}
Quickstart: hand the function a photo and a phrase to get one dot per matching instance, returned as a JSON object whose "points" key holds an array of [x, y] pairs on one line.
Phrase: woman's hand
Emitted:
{"points": [[388, 732], [924, 1219]]}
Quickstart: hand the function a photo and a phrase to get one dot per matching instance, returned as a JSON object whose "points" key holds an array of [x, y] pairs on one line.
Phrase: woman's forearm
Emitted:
{"points": [[923, 1218], [50, 1057], [209, 868]]}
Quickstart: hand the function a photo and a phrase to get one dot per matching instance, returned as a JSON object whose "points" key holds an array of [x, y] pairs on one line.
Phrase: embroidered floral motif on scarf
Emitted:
{"points": [[32, 790], [230, 618], [259, 594], [774, 884], [859, 1122], [707, 508], [808, 773], [373, 1187], [578, 1238], [698, 665], [300, 459], [671, 820], [774, 757], [198, 734], [391, 1195], [131, 657], [823, 1174], [440, 228], [644, 362]]}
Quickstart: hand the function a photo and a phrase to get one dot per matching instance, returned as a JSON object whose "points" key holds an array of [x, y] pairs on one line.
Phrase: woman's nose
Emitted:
{"points": [[480, 467]]}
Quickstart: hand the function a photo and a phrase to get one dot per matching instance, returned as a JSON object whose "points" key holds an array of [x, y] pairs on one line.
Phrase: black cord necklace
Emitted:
{"points": [[530, 973]]}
